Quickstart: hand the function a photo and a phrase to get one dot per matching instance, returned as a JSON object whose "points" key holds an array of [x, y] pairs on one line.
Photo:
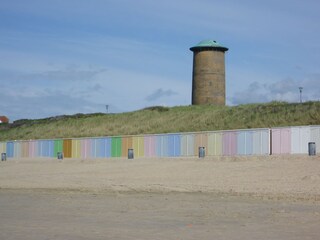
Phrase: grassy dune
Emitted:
{"points": [[165, 120]]}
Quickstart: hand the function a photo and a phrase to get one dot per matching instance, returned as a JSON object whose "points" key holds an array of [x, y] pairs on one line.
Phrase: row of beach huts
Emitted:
{"points": [[273, 141]]}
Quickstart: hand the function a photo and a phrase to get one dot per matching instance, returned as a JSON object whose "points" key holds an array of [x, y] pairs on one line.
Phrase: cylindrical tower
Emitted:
{"points": [[208, 75]]}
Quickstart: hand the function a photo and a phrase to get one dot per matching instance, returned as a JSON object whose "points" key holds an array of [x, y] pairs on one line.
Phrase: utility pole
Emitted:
{"points": [[300, 89], [107, 108]]}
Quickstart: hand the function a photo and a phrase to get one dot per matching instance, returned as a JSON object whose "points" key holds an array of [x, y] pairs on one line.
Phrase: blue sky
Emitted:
{"points": [[77, 56]]}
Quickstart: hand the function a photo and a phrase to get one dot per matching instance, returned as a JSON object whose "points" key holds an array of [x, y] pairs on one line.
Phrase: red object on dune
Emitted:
{"points": [[4, 119]]}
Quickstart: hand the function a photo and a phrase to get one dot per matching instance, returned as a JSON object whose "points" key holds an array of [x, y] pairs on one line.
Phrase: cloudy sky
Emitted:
{"points": [[77, 56]]}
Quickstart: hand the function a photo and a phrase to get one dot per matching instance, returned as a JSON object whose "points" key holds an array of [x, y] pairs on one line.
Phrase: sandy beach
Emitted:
{"points": [[178, 198], [296, 177]]}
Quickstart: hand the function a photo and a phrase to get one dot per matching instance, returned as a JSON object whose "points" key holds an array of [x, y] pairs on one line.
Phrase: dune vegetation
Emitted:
{"points": [[160, 119]]}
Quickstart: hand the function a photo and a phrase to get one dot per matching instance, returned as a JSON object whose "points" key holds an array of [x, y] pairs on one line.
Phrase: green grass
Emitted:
{"points": [[165, 120]]}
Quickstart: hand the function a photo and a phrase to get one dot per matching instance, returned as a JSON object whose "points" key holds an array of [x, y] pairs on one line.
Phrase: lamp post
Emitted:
{"points": [[300, 89]]}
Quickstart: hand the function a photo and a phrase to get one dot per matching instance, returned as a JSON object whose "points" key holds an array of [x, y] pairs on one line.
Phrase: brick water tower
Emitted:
{"points": [[208, 75]]}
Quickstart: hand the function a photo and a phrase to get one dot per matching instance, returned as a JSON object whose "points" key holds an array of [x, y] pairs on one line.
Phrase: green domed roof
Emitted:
{"points": [[209, 44]]}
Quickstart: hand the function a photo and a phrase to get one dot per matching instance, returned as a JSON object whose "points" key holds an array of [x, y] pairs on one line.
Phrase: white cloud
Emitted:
{"points": [[283, 90], [160, 93], [37, 106], [68, 91], [130, 89]]}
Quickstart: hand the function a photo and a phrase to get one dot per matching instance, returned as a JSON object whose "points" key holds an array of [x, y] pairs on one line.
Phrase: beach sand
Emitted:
{"points": [[264, 197]]}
